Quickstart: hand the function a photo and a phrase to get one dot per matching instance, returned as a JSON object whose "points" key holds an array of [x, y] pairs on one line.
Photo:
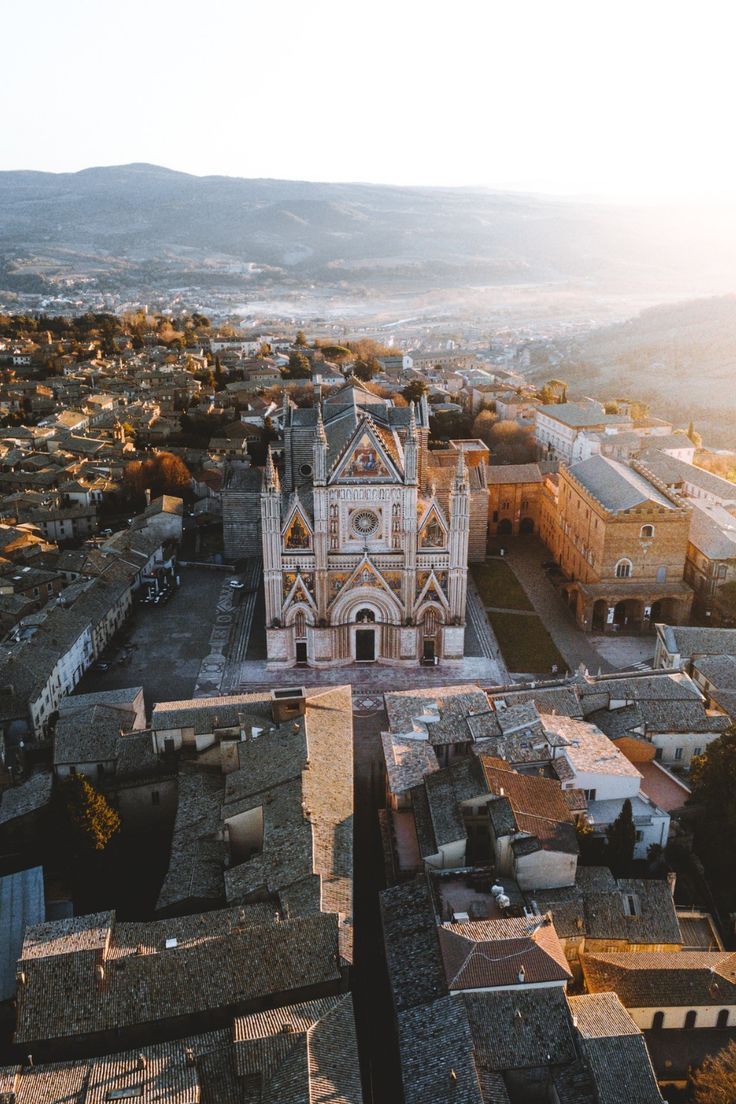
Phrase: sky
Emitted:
{"points": [[625, 100]]}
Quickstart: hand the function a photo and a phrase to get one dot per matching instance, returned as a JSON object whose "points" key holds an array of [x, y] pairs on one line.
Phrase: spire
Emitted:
{"points": [[319, 452], [285, 406], [411, 449], [461, 472], [272, 476], [321, 435]]}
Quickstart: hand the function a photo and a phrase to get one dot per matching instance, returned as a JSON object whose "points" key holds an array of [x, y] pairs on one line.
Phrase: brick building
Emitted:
{"points": [[621, 539], [513, 498]]}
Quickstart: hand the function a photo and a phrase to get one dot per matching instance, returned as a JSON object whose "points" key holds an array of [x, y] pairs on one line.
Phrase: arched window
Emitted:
{"points": [[722, 1020], [658, 1021], [623, 569], [647, 532], [691, 1018], [300, 624]]}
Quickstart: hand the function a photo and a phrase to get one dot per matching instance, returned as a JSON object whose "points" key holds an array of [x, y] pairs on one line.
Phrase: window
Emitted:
{"points": [[678, 753], [697, 751], [691, 1018], [631, 905], [134, 1091], [639, 836], [590, 794], [623, 569], [647, 532], [722, 1020], [661, 574], [658, 1020]]}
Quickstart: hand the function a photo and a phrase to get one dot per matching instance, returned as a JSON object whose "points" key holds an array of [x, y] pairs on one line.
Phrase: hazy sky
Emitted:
{"points": [[617, 98]]}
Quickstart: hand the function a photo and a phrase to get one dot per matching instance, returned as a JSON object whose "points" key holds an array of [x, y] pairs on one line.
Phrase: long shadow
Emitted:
{"points": [[377, 1043]]}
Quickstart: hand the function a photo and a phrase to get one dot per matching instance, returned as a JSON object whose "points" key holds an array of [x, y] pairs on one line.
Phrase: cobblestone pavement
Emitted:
{"points": [[374, 678], [625, 651], [228, 639], [526, 556]]}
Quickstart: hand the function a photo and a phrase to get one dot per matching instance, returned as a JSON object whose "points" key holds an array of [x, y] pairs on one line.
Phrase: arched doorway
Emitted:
{"points": [[430, 626], [600, 610], [666, 610], [627, 614], [505, 528], [365, 636], [526, 525]]}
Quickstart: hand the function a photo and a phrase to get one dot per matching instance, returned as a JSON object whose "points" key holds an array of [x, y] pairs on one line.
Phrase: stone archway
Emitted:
{"points": [[526, 525], [505, 527], [666, 610], [628, 614], [600, 612], [365, 621]]}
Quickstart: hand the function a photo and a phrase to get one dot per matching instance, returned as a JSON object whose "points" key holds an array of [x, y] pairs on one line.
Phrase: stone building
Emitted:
{"points": [[365, 537], [621, 538]]}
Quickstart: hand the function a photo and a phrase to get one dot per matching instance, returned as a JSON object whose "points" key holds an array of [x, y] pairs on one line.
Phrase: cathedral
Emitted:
{"points": [[365, 536]]}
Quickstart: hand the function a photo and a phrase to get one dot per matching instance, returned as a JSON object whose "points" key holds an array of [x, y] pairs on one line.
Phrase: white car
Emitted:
{"points": [[236, 584]]}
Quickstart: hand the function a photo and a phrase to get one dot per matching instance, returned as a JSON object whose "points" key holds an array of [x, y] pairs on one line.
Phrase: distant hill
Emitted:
{"points": [[680, 357], [142, 225]]}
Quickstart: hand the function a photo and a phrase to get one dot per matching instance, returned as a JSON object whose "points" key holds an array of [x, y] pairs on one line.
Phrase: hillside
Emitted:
{"points": [[142, 226], [680, 358]]}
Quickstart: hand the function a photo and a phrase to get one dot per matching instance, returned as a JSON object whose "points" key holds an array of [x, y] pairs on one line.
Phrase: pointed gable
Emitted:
{"points": [[432, 529], [297, 531], [365, 458], [365, 575]]}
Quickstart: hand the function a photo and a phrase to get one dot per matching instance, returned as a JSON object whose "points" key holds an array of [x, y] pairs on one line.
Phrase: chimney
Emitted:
{"points": [[287, 1029], [142, 1061], [189, 1056], [288, 703], [148, 496], [522, 975], [672, 881]]}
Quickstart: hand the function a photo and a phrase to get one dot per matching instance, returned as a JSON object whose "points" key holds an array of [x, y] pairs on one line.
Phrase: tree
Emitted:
{"points": [[621, 839], [715, 1081], [164, 473], [414, 391], [365, 370], [693, 434], [511, 443], [300, 339], [299, 367], [85, 815], [482, 426], [713, 780]]}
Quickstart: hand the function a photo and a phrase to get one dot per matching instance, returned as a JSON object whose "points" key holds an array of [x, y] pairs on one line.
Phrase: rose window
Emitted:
{"points": [[365, 523]]}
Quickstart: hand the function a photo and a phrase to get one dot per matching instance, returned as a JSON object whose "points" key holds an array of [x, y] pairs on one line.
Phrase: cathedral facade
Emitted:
{"points": [[365, 541]]}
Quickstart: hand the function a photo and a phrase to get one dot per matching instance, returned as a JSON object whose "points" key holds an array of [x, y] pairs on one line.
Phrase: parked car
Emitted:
{"points": [[102, 666], [236, 584], [105, 532]]}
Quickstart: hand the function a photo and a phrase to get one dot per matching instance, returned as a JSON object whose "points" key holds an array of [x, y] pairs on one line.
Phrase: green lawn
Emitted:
{"points": [[498, 586], [525, 643]]}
